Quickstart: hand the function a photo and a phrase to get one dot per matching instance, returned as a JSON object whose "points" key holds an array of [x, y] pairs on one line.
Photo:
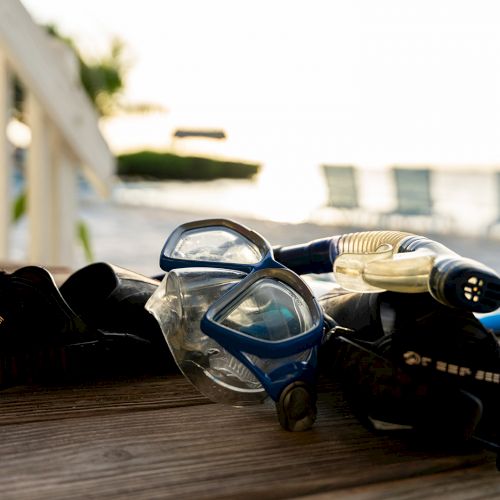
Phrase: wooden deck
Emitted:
{"points": [[156, 437]]}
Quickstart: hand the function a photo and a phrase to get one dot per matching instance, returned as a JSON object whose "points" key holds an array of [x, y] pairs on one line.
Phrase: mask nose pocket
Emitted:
{"points": [[179, 304]]}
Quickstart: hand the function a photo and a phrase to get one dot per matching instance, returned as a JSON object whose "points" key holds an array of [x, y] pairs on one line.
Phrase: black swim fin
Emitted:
{"points": [[95, 324]]}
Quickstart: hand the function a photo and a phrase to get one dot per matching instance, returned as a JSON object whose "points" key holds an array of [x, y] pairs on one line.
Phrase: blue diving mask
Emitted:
{"points": [[240, 326]]}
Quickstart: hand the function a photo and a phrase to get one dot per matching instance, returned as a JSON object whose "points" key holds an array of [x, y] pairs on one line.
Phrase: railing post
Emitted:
{"points": [[65, 195], [64, 174], [51, 193], [6, 101], [39, 185]]}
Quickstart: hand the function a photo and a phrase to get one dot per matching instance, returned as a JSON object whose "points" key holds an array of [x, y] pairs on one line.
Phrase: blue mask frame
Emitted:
{"points": [[267, 260], [239, 344]]}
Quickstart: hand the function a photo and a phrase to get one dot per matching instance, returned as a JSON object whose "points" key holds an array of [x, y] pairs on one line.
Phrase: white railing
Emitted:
{"points": [[5, 157], [64, 137]]}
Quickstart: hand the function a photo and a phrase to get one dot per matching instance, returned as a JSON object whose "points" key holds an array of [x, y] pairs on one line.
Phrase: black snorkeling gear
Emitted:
{"points": [[406, 361], [95, 324]]}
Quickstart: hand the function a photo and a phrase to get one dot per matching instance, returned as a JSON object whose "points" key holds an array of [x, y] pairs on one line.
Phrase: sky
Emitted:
{"points": [[294, 82]]}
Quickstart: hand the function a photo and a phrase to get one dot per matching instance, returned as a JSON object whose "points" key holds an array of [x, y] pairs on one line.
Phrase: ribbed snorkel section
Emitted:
{"points": [[414, 242], [369, 241]]}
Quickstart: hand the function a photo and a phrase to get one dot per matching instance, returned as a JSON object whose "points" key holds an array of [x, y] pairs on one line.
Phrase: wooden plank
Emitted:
{"points": [[44, 73], [5, 156], [208, 451], [463, 484], [102, 397]]}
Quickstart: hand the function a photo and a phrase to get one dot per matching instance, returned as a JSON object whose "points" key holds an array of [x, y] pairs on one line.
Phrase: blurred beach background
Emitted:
{"points": [[293, 85]]}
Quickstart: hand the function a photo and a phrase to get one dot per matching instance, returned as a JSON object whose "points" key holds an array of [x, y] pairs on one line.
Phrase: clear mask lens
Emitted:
{"points": [[216, 244], [272, 311], [179, 304], [268, 310]]}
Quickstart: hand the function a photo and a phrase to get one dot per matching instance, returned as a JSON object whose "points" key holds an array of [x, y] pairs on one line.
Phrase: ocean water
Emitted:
{"points": [[465, 199]]}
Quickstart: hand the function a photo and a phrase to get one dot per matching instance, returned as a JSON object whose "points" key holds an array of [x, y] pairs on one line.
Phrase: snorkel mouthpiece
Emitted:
{"points": [[464, 283]]}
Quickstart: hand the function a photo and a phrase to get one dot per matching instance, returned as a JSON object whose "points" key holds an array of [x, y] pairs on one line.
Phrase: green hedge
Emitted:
{"points": [[155, 165]]}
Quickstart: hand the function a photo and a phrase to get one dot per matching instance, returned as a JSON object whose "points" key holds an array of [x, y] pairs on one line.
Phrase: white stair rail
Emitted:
{"points": [[5, 156], [65, 137]]}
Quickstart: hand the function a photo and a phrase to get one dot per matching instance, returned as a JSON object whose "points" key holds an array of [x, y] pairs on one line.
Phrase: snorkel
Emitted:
{"points": [[374, 261]]}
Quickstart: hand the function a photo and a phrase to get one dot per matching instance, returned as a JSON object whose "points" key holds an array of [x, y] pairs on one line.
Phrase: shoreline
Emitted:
{"points": [[132, 236]]}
